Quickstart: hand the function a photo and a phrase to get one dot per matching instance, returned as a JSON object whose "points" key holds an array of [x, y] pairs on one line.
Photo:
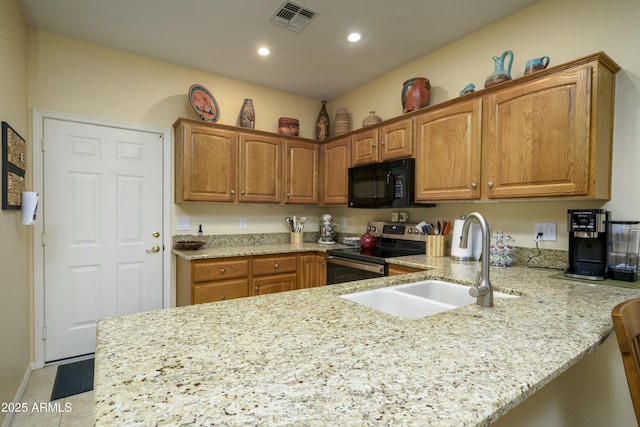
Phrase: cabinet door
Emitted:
{"points": [[536, 137], [448, 153], [396, 140], [260, 169], [364, 147], [335, 159], [220, 290], [321, 269], [274, 283], [311, 270], [396, 270], [206, 164], [301, 172]]}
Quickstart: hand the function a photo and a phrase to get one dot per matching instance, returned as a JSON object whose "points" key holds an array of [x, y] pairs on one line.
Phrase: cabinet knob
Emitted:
{"points": [[223, 298], [490, 184], [276, 266], [288, 194], [256, 289], [242, 192], [373, 145], [222, 270], [474, 185], [233, 191], [381, 142]]}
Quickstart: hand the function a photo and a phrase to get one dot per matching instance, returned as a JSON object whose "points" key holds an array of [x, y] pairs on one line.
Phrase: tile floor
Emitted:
{"points": [[72, 411]]}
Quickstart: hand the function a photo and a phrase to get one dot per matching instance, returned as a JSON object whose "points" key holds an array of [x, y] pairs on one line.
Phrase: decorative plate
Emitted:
{"points": [[203, 103]]}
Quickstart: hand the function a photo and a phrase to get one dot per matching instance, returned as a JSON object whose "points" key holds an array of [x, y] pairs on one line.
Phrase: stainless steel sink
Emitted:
{"points": [[418, 299]]}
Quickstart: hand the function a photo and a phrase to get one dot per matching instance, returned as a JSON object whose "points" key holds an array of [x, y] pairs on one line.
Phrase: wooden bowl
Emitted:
{"points": [[189, 245]]}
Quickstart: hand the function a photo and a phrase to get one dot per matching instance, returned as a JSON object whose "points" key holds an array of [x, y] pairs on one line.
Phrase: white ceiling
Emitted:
{"points": [[222, 36]]}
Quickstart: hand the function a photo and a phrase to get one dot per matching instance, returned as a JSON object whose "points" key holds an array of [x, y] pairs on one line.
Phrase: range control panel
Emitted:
{"points": [[395, 230]]}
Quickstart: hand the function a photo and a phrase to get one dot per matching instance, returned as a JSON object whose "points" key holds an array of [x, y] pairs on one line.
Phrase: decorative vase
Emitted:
{"points": [[342, 121], [247, 114], [371, 119], [288, 126], [322, 124], [500, 74], [536, 64], [415, 94]]}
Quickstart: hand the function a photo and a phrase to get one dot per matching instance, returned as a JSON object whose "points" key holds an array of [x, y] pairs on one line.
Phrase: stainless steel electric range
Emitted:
{"points": [[393, 239]]}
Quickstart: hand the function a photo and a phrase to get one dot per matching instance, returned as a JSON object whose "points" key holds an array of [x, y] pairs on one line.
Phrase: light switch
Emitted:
{"points": [[184, 224]]}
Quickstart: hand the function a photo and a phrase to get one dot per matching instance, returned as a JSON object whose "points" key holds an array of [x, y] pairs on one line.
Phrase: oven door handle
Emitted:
{"points": [[374, 268]]}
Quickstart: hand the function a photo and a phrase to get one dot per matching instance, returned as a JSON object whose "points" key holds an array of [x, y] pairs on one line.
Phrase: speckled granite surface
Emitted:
{"points": [[310, 358]]}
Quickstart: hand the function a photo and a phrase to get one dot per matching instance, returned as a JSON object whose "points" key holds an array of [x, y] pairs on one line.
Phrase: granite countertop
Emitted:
{"points": [[308, 357], [245, 250]]}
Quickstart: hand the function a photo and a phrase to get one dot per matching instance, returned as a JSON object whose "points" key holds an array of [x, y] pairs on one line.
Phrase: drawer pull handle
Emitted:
{"points": [[222, 270], [276, 266]]}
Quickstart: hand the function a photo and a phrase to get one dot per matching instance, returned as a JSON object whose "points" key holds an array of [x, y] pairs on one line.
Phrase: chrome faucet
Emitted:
{"points": [[483, 291]]}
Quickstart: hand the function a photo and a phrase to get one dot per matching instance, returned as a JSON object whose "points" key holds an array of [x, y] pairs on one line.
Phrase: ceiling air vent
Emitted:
{"points": [[293, 16]]}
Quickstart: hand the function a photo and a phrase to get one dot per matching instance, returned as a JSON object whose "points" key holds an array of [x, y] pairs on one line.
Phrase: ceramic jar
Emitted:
{"points": [[288, 126], [371, 119], [415, 94], [247, 115], [342, 121], [502, 70]]}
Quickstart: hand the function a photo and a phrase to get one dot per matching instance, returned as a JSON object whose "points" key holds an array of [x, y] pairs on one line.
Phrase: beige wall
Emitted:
{"points": [[71, 76], [562, 29], [15, 241]]}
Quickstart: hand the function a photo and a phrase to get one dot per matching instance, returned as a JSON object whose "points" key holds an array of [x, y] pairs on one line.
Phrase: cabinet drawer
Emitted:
{"points": [[274, 283], [274, 264], [220, 290], [206, 270]]}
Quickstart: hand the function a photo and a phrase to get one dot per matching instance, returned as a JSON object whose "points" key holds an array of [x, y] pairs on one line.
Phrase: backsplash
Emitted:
{"points": [[531, 257]]}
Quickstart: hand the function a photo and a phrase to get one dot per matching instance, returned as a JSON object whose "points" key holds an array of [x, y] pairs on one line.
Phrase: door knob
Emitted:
{"points": [[154, 249], [156, 234]]}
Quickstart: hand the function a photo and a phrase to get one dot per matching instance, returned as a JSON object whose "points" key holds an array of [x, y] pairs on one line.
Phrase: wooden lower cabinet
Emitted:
{"points": [[395, 270], [312, 270], [273, 283], [210, 280], [220, 290]]}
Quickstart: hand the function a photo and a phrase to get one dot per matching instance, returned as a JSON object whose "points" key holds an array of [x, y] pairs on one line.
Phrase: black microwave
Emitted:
{"points": [[383, 185]]}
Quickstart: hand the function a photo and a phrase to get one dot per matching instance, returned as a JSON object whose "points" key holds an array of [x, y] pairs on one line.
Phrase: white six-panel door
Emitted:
{"points": [[102, 230]]}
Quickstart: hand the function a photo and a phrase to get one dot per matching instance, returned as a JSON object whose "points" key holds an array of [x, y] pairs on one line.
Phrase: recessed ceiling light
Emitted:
{"points": [[354, 37], [263, 51]]}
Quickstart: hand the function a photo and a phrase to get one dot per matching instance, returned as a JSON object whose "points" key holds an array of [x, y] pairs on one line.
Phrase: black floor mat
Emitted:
{"points": [[73, 378]]}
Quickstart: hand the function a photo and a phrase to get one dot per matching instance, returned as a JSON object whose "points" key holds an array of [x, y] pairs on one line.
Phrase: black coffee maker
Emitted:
{"points": [[588, 239]]}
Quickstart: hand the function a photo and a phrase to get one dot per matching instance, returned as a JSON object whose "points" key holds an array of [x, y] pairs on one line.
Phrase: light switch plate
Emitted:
{"points": [[184, 224]]}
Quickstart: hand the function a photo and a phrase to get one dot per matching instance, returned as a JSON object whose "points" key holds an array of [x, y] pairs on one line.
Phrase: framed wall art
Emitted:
{"points": [[14, 167]]}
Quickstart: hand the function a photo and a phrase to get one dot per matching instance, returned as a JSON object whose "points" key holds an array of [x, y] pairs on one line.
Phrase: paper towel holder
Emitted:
{"points": [[29, 207]]}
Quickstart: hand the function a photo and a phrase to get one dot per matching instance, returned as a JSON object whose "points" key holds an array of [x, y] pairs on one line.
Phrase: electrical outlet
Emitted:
{"points": [[184, 224], [243, 223], [545, 231]]}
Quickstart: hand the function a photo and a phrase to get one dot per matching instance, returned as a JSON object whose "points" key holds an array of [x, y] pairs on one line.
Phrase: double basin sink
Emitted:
{"points": [[418, 299]]}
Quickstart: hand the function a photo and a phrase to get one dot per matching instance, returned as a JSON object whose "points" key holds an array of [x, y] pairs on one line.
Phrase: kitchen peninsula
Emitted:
{"points": [[308, 357]]}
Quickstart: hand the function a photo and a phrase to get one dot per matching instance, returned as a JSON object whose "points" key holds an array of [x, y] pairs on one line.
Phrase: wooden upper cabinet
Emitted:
{"points": [[301, 172], [364, 147], [538, 138], [448, 152], [335, 160], [205, 163], [396, 140], [260, 169]]}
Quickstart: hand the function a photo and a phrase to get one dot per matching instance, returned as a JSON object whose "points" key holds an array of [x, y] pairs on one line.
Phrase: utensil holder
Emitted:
{"points": [[436, 246], [297, 238]]}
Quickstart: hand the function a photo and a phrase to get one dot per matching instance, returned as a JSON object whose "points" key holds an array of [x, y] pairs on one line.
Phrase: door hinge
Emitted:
{"points": [[42, 145], [44, 333], [43, 239]]}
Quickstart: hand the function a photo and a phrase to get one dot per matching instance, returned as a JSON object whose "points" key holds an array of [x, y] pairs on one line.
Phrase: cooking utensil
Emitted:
{"points": [[301, 224], [290, 222], [447, 227]]}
